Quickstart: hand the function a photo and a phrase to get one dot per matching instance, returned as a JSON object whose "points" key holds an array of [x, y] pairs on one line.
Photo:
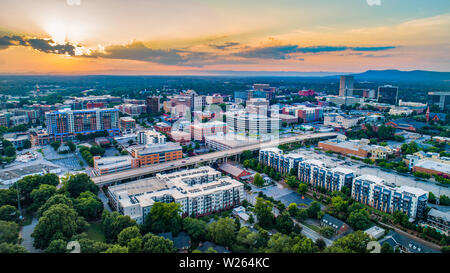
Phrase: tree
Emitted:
{"points": [[9, 232], [302, 214], [113, 223], [387, 248], [284, 223], [88, 205], [76, 184], [12, 248], [117, 249], [58, 222], [246, 155], [320, 243], [279, 243], [431, 198], [302, 244], [55, 199], [355, 242], [258, 180], [57, 246], [327, 232], [302, 188], [55, 145], [292, 181], [42, 194], [313, 209], [155, 244], [263, 210], [9, 213], [444, 200], [195, 228], [359, 219], [26, 144], [338, 204], [164, 217], [9, 151], [293, 209], [127, 234], [223, 231], [71, 146], [135, 245]]}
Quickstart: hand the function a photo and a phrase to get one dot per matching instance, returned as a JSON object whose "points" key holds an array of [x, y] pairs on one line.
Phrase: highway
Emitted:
{"points": [[206, 158]]}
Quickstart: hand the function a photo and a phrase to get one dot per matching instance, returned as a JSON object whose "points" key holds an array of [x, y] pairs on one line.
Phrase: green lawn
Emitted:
{"points": [[313, 227], [95, 232]]}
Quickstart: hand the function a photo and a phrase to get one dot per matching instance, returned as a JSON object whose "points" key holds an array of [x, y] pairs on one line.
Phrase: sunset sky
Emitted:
{"points": [[199, 36]]}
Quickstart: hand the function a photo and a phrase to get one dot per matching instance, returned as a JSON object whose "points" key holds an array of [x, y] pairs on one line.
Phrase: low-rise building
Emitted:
{"points": [[222, 142], [339, 226], [375, 232], [112, 164], [156, 153], [439, 220], [236, 172], [359, 148], [405, 244], [17, 139], [341, 120]]}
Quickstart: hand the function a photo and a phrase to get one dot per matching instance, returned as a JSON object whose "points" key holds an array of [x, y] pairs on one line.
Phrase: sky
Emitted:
{"points": [[195, 37]]}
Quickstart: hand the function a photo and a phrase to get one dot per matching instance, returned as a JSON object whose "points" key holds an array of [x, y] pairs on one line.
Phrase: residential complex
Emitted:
{"points": [[82, 121], [316, 174], [275, 158], [199, 191], [252, 125], [375, 192], [201, 130]]}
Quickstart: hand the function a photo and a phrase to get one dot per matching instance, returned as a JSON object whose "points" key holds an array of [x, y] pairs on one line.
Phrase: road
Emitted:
{"points": [[27, 240], [206, 158]]}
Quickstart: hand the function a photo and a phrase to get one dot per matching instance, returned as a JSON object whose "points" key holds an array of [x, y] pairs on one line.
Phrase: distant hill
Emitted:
{"points": [[402, 76]]}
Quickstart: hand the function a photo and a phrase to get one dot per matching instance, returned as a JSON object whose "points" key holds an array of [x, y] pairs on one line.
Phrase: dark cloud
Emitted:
{"points": [[374, 48], [225, 45], [43, 45], [284, 51], [140, 52]]}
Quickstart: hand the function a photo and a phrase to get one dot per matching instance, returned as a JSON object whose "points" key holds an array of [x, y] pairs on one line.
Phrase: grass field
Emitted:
{"points": [[95, 232]]}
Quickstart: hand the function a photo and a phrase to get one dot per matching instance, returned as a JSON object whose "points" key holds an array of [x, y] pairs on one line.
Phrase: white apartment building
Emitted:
{"points": [[341, 120], [315, 173], [275, 158], [199, 191], [201, 130], [150, 137], [375, 192], [253, 125]]}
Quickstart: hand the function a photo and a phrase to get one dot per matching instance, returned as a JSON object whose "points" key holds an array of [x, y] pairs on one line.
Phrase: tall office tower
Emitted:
{"points": [[388, 94], [153, 104], [440, 98], [346, 86]]}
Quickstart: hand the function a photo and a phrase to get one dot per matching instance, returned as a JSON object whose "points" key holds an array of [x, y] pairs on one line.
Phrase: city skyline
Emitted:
{"points": [[195, 37]]}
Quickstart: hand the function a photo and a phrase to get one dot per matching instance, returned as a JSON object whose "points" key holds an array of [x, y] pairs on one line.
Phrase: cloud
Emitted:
{"points": [[285, 51], [373, 2], [73, 2], [225, 45], [140, 52], [43, 45]]}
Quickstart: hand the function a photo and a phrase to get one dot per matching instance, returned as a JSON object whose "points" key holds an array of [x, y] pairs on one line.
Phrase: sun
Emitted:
{"points": [[57, 31]]}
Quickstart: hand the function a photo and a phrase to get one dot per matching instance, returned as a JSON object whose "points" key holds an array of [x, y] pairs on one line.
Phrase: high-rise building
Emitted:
{"points": [[440, 98], [346, 86], [68, 121], [388, 94], [153, 104]]}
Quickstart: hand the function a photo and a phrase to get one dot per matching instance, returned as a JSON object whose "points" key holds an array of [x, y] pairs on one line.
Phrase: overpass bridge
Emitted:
{"points": [[210, 158]]}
